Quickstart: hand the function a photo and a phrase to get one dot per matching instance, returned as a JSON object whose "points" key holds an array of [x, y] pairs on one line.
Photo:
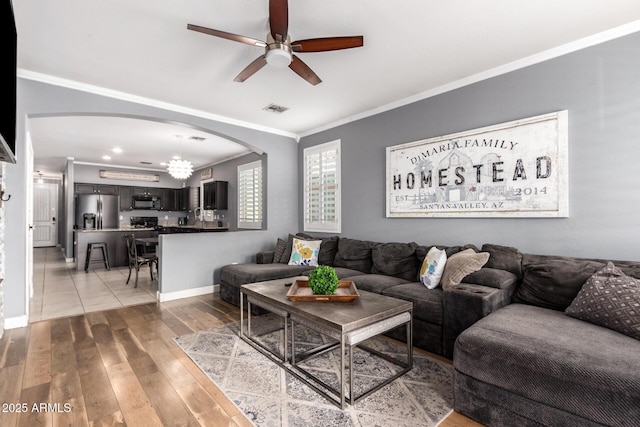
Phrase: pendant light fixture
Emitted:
{"points": [[179, 168]]}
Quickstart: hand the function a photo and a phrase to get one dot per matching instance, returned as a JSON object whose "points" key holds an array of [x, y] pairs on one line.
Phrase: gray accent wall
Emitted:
{"points": [[599, 86]]}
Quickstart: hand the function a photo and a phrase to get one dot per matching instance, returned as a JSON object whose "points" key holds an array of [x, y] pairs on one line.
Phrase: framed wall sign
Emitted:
{"points": [[130, 175], [206, 174], [514, 169]]}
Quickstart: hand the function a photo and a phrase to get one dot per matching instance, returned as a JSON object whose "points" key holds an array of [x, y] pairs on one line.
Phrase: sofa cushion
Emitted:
{"points": [[492, 277], [422, 251], [395, 259], [375, 282], [427, 303], [551, 358], [354, 254], [611, 299], [328, 250], [461, 264], [504, 258], [345, 273], [553, 281], [239, 274]]}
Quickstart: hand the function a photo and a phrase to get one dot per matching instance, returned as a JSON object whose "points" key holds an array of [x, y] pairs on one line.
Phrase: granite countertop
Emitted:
{"points": [[163, 229], [171, 229], [79, 230]]}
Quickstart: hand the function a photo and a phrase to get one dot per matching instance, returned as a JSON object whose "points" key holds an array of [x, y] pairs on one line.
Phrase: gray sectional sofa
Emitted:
{"points": [[531, 364], [391, 269], [518, 358]]}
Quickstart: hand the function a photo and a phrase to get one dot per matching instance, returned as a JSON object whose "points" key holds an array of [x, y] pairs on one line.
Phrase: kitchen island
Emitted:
{"points": [[113, 237], [117, 248]]}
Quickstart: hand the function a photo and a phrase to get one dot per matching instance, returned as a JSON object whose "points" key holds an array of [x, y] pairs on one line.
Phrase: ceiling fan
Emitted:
{"points": [[279, 48]]}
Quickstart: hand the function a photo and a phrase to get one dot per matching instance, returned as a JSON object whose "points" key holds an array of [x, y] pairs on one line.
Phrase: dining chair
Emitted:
{"points": [[138, 260]]}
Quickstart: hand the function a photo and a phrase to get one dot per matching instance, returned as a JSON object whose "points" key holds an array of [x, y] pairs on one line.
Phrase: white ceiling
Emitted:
{"points": [[412, 48]]}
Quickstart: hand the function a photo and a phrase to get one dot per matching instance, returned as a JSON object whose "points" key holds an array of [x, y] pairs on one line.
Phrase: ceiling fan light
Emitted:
{"points": [[278, 57], [180, 169]]}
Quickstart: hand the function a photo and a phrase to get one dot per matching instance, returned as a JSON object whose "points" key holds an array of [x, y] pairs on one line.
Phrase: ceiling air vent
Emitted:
{"points": [[273, 108], [196, 138]]}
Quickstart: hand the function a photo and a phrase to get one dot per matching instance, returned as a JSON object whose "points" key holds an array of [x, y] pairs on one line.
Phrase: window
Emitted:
{"points": [[322, 188], [250, 195]]}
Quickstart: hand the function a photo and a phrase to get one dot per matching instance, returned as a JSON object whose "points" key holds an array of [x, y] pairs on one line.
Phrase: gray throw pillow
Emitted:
{"points": [[281, 245], [611, 299]]}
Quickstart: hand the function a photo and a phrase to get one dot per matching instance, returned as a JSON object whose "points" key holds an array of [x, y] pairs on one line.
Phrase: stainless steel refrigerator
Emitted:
{"points": [[96, 211]]}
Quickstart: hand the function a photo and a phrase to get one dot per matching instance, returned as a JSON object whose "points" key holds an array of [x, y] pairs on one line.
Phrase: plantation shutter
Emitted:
{"points": [[250, 195], [322, 188]]}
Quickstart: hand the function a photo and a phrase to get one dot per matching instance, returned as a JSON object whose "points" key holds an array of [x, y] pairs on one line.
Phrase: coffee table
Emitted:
{"points": [[347, 324]]}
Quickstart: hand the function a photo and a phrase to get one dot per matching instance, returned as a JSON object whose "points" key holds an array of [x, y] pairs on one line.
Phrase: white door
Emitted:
{"points": [[45, 208]]}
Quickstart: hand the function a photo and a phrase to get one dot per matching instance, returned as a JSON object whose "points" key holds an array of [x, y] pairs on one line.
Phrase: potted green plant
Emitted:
{"points": [[323, 280]]}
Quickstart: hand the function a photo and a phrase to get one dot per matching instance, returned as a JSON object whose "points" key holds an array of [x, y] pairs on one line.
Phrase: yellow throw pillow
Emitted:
{"points": [[305, 252]]}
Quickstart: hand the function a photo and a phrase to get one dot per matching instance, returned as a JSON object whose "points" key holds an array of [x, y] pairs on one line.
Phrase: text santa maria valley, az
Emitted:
{"points": [[514, 169]]}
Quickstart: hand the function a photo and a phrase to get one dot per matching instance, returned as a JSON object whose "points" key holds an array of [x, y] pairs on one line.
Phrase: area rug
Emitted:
{"points": [[270, 396]]}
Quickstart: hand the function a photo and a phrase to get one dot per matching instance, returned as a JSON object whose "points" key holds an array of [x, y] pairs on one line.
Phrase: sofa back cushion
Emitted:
{"points": [[328, 250], [395, 259], [553, 281], [504, 258], [354, 254], [422, 251]]}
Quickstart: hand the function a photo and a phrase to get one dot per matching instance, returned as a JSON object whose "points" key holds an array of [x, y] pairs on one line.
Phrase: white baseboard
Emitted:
{"points": [[16, 322], [194, 292]]}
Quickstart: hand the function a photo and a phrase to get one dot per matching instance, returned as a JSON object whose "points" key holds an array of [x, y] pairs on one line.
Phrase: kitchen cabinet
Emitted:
{"points": [[145, 191], [216, 195], [188, 199], [126, 196], [82, 188], [171, 199], [168, 200]]}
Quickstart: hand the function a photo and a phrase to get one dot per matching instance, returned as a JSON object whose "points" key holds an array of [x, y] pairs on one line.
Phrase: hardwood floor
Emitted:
{"points": [[119, 367]]}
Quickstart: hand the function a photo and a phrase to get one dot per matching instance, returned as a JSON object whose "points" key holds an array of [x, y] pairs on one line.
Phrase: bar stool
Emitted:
{"points": [[105, 255]]}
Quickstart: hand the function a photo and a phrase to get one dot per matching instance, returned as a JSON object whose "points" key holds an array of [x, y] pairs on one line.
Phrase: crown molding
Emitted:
{"points": [[97, 90], [593, 40]]}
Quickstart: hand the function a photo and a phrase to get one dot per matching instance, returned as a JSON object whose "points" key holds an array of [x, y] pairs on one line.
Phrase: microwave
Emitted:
{"points": [[146, 202]]}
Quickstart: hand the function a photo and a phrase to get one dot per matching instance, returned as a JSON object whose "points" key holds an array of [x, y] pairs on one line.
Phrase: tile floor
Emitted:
{"points": [[59, 290]]}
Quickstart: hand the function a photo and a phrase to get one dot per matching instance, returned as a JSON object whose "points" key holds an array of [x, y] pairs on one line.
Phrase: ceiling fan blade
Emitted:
{"points": [[327, 43], [251, 69], [225, 35], [279, 19], [304, 71]]}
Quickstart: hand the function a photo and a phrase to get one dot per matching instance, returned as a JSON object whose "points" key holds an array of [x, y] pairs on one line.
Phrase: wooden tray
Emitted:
{"points": [[346, 292]]}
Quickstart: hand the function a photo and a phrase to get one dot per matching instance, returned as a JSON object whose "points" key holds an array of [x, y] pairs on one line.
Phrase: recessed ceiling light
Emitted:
{"points": [[163, 163], [176, 157], [117, 150], [106, 157]]}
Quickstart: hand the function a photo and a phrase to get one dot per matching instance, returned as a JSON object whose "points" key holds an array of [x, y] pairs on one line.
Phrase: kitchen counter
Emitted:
{"points": [[125, 229], [190, 229], [113, 237]]}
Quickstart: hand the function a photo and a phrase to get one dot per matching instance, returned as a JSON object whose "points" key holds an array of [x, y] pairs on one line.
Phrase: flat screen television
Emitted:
{"points": [[9, 62]]}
